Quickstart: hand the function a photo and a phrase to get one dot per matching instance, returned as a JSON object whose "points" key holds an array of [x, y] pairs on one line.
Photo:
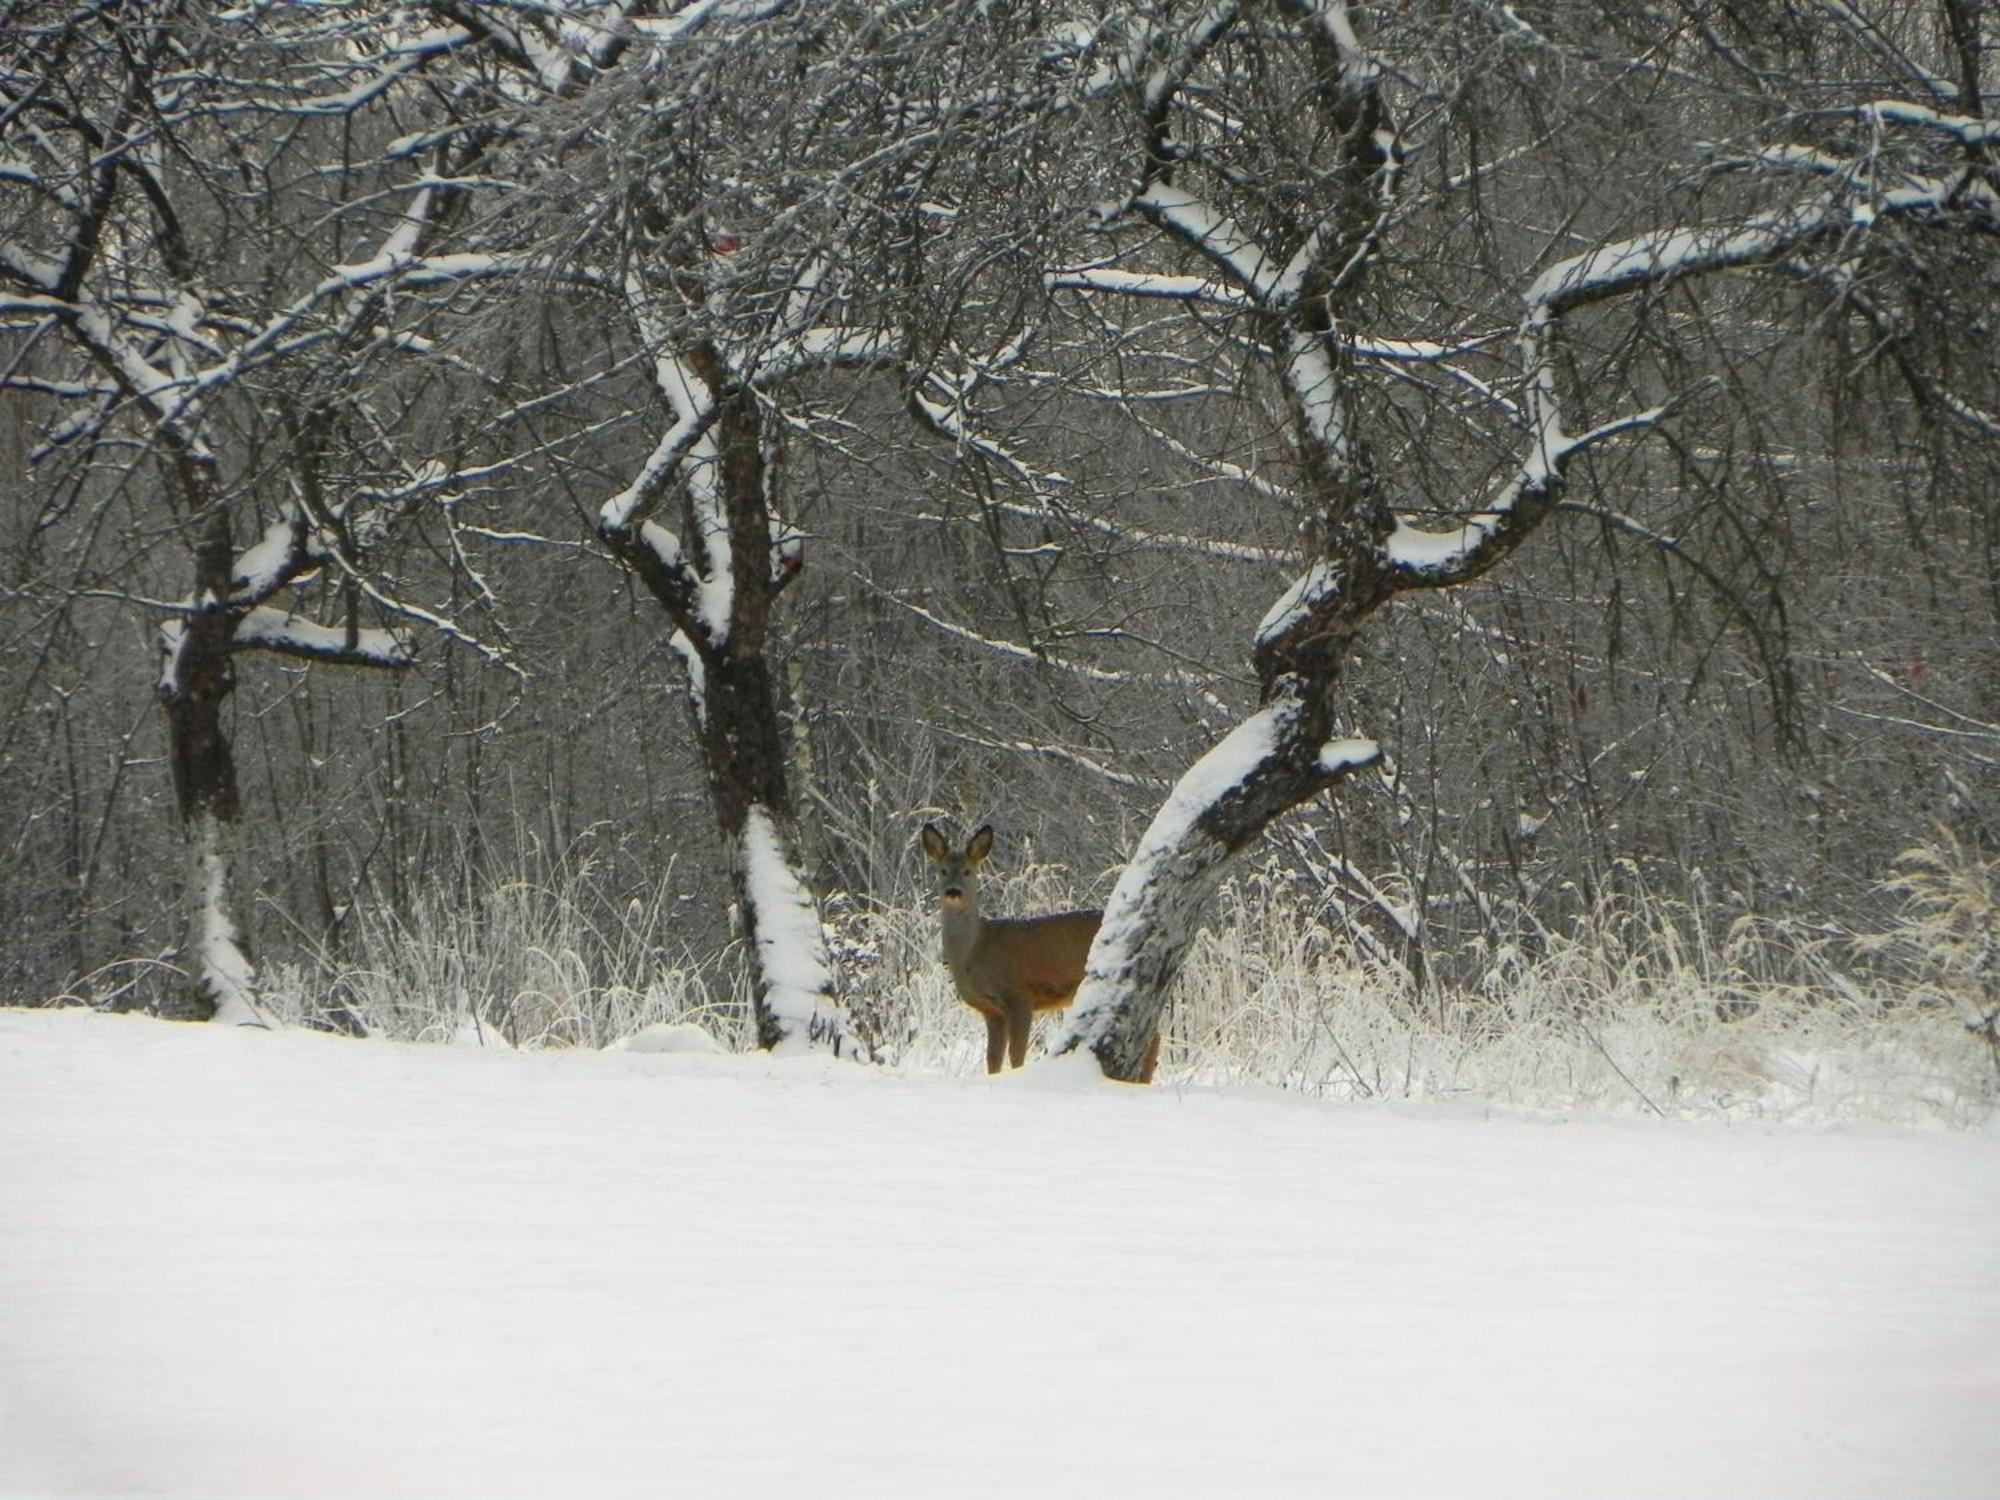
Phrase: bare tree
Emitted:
{"points": [[201, 341], [1271, 147]]}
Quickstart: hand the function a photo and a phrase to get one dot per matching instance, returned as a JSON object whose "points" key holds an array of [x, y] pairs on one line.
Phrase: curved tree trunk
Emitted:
{"points": [[1271, 762]]}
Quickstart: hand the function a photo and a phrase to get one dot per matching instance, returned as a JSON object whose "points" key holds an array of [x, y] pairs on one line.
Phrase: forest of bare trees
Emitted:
{"points": [[1463, 466]]}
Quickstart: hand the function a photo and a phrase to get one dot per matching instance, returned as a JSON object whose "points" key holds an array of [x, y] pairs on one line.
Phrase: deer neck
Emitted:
{"points": [[962, 925]]}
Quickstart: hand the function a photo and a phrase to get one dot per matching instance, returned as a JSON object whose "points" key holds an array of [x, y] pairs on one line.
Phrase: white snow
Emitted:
{"points": [[1338, 756], [260, 565], [1309, 372], [285, 1265], [1967, 128], [1146, 284], [1152, 882]]}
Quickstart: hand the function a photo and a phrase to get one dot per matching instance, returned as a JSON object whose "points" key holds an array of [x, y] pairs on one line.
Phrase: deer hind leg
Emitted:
{"points": [[1152, 1058], [996, 1039]]}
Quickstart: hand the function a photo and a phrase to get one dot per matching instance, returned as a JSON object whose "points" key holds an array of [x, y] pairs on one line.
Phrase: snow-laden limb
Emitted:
{"points": [[1212, 233], [1217, 467], [1429, 559], [1157, 285], [1065, 754], [268, 629], [273, 560], [1312, 591], [1016, 651], [700, 584], [699, 15], [173, 657], [795, 1005], [1178, 53], [286, 331], [500, 656], [1310, 377], [1134, 536], [690, 426], [1665, 255], [826, 349], [1339, 757], [1358, 68], [697, 674], [1168, 879]]}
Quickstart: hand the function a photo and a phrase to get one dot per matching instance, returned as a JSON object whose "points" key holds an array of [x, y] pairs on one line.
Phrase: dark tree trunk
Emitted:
{"points": [[738, 707], [195, 683]]}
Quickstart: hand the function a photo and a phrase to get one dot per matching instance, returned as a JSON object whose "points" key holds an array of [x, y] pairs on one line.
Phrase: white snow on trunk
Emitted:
{"points": [[1307, 592], [1338, 757], [1151, 284], [697, 673], [792, 959], [220, 964], [173, 656], [1159, 887], [1310, 375]]}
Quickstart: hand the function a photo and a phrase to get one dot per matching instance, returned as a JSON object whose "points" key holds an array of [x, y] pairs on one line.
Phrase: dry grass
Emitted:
{"points": [[1643, 1007]]}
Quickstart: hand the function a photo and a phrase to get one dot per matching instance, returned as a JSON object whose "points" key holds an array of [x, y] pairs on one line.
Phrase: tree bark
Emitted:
{"points": [[1274, 760], [195, 683], [738, 710]]}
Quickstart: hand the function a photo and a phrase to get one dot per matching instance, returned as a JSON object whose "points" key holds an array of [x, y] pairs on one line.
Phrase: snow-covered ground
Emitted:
{"points": [[279, 1264]]}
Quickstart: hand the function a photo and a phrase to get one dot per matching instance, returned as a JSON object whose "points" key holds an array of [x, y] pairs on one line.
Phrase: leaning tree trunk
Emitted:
{"points": [[1277, 758]]}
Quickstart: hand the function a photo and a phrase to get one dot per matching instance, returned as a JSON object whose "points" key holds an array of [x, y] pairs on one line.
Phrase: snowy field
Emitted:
{"points": [[278, 1264]]}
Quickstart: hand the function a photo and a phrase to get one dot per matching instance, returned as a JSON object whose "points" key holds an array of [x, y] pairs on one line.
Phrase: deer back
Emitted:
{"points": [[1040, 957]]}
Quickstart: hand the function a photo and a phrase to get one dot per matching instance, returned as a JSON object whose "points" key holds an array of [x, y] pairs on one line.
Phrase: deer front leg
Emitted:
{"points": [[996, 1039], [1020, 1022]]}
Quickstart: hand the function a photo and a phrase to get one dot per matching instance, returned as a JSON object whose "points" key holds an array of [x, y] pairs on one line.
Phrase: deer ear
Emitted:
{"points": [[933, 842], [980, 847]]}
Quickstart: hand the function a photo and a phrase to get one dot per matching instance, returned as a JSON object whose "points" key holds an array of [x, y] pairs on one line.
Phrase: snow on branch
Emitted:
{"points": [[1152, 284], [1176, 859], [826, 349], [1045, 750], [663, 465], [1666, 255], [1431, 559], [269, 629], [1872, 38], [1212, 233], [1040, 657]]}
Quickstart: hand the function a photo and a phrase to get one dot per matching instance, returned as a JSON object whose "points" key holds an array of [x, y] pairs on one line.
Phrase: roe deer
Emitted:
{"points": [[1007, 968]]}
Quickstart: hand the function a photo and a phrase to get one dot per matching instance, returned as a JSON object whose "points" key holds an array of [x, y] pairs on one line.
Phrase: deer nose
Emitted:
{"points": [[953, 892]]}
